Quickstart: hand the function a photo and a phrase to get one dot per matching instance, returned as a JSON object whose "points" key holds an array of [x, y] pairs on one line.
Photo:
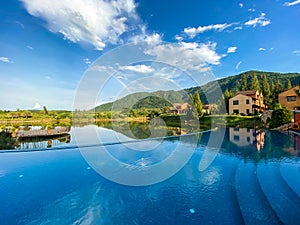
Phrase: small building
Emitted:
{"points": [[209, 108], [179, 108], [247, 102], [290, 99]]}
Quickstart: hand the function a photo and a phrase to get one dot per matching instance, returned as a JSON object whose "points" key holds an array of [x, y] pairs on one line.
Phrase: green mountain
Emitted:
{"points": [[159, 99]]}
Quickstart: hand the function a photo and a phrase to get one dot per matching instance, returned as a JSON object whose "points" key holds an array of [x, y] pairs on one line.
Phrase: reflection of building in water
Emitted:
{"points": [[295, 150], [245, 136], [44, 142]]}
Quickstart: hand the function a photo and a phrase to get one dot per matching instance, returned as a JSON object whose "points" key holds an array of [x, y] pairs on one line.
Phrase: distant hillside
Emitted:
{"points": [[233, 83], [156, 99]]}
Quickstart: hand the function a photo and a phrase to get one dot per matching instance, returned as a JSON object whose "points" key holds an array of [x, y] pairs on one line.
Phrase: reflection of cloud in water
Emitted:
{"points": [[210, 176], [78, 208]]}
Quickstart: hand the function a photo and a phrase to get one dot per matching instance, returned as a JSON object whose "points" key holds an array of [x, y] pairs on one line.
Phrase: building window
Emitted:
{"points": [[247, 101], [291, 98], [236, 111], [248, 139], [235, 102], [248, 111], [236, 129], [236, 138]]}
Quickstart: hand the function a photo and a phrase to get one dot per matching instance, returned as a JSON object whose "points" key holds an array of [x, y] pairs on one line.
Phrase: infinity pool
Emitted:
{"points": [[253, 177]]}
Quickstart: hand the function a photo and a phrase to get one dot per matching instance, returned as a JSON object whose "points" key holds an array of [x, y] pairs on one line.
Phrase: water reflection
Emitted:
{"points": [[245, 136]]}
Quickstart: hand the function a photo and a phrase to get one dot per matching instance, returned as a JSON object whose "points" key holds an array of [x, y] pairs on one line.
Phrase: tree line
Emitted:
{"points": [[270, 90]]}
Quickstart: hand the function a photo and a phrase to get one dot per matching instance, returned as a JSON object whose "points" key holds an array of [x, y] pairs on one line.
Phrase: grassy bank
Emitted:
{"points": [[206, 122]]}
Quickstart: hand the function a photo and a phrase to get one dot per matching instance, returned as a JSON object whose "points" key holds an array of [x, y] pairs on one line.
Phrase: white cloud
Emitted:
{"points": [[259, 21], [48, 77], [87, 61], [238, 65], [238, 28], [96, 22], [178, 38], [29, 47], [297, 52], [5, 60], [37, 106], [138, 68], [192, 31], [261, 49], [150, 39], [231, 49], [251, 10], [187, 55], [292, 3], [153, 39], [241, 5]]}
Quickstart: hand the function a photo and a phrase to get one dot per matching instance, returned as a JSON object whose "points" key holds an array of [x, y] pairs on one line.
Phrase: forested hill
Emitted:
{"points": [[277, 82]]}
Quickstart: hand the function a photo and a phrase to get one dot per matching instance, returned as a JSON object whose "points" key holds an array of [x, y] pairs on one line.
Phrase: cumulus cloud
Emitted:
{"points": [[261, 49], [150, 39], [178, 38], [5, 60], [292, 3], [259, 21], [153, 39], [96, 22], [192, 31], [231, 49], [37, 106], [138, 68], [187, 55], [241, 5]]}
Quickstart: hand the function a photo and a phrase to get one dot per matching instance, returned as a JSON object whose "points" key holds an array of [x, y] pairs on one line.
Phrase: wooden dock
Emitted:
{"points": [[39, 133]]}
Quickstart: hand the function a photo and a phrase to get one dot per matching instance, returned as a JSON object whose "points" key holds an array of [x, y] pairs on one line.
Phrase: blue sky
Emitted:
{"points": [[46, 46]]}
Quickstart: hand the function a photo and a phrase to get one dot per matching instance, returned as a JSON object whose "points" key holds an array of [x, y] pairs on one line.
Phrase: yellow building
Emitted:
{"points": [[246, 102], [290, 99]]}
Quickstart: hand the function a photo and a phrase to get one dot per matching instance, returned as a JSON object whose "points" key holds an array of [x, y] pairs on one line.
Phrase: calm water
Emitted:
{"points": [[253, 178], [124, 132]]}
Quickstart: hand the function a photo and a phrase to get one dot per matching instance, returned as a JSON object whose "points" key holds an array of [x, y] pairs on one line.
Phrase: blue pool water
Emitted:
{"points": [[254, 178]]}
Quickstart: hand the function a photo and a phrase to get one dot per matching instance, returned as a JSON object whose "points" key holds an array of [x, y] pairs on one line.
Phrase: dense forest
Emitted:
{"points": [[270, 83]]}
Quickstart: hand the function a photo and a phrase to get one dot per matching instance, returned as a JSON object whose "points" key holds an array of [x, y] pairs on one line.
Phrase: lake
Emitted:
{"points": [[224, 176]]}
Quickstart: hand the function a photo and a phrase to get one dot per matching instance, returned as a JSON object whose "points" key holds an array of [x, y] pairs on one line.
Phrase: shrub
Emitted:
{"points": [[280, 117]]}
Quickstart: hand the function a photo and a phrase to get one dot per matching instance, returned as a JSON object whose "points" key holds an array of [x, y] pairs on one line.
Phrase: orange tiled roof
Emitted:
{"points": [[249, 92]]}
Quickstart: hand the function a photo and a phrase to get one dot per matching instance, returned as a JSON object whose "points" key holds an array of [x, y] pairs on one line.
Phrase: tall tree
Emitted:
{"points": [[191, 112], [272, 87], [288, 84], [266, 89], [45, 110], [254, 82], [278, 87], [244, 82], [227, 95], [198, 104]]}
